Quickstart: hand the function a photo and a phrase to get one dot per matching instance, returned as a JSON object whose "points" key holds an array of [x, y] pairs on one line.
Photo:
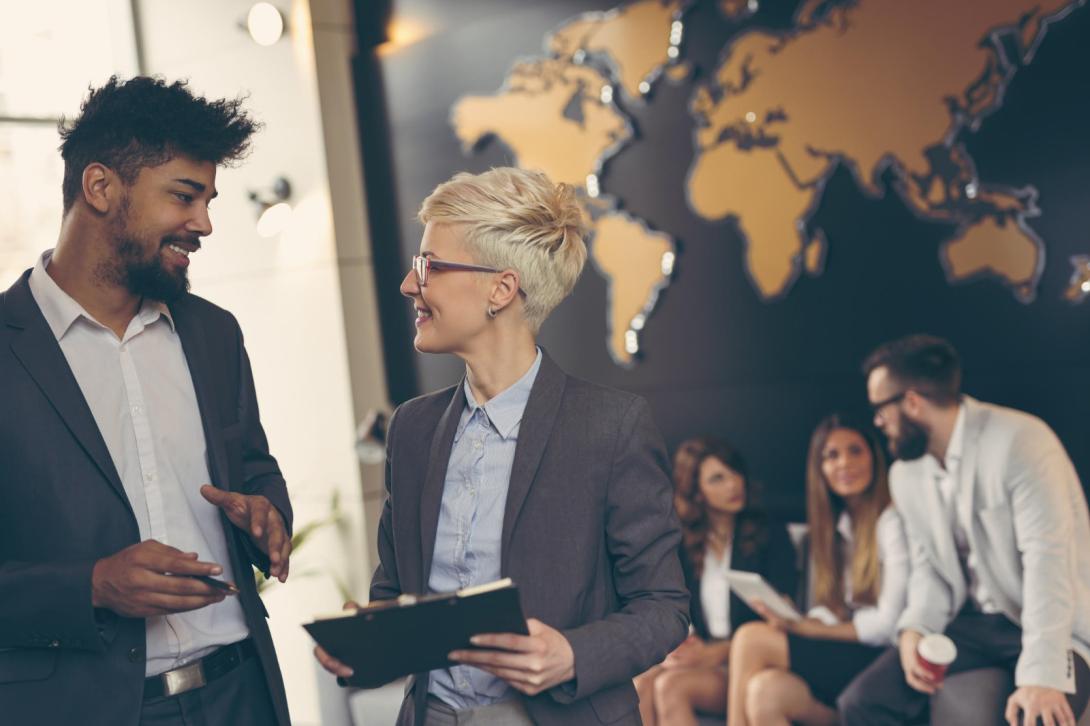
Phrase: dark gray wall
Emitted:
{"points": [[716, 358]]}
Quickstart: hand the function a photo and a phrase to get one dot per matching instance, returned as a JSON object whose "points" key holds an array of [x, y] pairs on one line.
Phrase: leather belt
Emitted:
{"points": [[201, 672]]}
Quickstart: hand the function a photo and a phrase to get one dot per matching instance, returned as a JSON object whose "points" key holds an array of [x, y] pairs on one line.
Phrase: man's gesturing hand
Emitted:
{"points": [[255, 515], [530, 663], [134, 583]]}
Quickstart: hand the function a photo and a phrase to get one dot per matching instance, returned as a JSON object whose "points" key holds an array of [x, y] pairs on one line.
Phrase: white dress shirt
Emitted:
{"points": [[141, 395], [875, 624], [715, 592], [946, 477]]}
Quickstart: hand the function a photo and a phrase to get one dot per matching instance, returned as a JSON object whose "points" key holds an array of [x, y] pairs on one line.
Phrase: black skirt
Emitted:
{"points": [[828, 666]]}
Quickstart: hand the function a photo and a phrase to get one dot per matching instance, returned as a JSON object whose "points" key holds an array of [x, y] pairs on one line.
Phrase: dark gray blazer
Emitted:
{"points": [[64, 507], [589, 535]]}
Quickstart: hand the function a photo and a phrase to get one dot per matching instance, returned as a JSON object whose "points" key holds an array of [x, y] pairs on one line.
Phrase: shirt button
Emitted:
{"points": [[55, 644], [135, 410], [134, 655], [477, 444], [150, 476]]}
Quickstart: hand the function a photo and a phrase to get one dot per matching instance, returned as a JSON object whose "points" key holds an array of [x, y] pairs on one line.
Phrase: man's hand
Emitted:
{"points": [[134, 582], [915, 675], [530, 663], [1029, 703], [330, 663], [255, 515]]}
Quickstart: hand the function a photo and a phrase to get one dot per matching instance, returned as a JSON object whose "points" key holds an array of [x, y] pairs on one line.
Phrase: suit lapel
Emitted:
{"points": [[969, 450], [966, 492], [537, 424], [195, 347], [431, 497], [938, 519], [41, 356], [962, 501]]}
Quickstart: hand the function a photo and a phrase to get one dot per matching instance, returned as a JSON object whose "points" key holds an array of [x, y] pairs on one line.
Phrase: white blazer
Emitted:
{"points": [[1030, 531]]}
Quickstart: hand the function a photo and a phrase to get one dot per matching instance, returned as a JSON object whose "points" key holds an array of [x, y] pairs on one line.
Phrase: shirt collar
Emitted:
{"points": [[504, 410], [60, 309], [844, 526], [957, 439], [953, 449]]}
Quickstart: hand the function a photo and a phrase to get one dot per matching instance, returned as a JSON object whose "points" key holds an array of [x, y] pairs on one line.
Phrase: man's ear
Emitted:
{"points": [[100, 187], [914, 403]]}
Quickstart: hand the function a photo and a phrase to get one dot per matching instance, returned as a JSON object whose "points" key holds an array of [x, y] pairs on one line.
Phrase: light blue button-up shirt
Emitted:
{"points": [[467, 541]]}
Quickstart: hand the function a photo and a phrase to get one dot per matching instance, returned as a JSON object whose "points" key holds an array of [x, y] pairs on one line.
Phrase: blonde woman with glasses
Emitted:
{"points": [[523, 471]]}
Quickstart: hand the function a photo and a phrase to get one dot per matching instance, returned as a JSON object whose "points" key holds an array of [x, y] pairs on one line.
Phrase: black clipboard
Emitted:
{"points": [[414, 633]]}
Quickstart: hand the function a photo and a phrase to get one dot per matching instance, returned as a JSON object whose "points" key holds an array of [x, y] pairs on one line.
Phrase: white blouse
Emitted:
{"points": [[715, 592], [876, 624]]}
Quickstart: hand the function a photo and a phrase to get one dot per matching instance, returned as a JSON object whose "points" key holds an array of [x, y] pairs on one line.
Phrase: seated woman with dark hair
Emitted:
{"points": [[721, 531], [792, 672]]}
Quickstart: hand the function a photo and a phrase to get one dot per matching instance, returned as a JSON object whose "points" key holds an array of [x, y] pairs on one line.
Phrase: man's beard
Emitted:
{"points": [[911, 443], [145, 277], [148, 278]]}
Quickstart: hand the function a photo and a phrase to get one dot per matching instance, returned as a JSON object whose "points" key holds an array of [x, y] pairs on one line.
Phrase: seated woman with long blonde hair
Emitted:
{"points": [[792, 672], [721, 530]]}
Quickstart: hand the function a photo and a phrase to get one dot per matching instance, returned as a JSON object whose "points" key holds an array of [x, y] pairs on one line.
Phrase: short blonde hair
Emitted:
{"points": [[520, 220]]}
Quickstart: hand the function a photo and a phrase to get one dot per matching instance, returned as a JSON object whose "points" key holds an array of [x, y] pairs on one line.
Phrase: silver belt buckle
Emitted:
{"points": [[183, 679]]}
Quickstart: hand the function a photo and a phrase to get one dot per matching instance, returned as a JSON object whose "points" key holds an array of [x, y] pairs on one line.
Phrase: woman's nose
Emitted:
{"points": [[409, 286]]}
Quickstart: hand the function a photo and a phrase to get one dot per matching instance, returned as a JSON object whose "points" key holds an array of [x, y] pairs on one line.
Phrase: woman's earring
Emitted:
{"points": [[491, 312]]}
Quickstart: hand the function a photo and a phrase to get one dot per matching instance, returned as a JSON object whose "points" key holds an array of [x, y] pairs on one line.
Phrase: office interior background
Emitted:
{"points": [[774, 188]]}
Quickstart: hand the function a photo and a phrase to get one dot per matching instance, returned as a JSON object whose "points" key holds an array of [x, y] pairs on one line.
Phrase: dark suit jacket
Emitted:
{"points": [[772, 557], [64, 507], [589, 535]]}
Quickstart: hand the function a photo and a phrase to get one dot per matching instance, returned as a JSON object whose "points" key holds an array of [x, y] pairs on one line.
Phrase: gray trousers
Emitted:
{"points": [[238, 698], [505, 713], [879, 696]]}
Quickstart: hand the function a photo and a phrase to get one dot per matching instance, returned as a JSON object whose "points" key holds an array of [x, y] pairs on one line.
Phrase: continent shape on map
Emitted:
{"points": [[633, 41], [785, 109], [551, 115], [557, 114], [632, 269]]}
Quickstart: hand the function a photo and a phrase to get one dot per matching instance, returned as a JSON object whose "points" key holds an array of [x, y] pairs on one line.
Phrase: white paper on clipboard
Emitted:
{"points": [[751, 587]]}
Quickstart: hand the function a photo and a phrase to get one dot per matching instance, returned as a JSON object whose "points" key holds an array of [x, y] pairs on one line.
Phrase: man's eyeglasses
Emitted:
{"points": [[877, 407], [423, 267]]}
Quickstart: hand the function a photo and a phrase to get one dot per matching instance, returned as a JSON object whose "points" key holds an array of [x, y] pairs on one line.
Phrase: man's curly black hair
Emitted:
{"points": [[143, 122]]}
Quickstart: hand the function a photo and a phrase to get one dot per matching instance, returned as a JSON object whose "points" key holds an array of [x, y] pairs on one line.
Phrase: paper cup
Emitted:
{"points": [[935, 653]]}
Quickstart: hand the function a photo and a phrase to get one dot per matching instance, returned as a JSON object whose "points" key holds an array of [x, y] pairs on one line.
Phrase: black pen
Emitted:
{"points": [[218, 584]]}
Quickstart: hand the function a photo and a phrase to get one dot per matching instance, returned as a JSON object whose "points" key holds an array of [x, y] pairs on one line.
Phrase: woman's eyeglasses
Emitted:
{"points": [[423, 267]]}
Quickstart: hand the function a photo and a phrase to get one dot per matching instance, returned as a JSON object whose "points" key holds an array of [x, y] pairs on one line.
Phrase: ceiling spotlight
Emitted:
{"points": [[273, 209], [265, 23]]}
